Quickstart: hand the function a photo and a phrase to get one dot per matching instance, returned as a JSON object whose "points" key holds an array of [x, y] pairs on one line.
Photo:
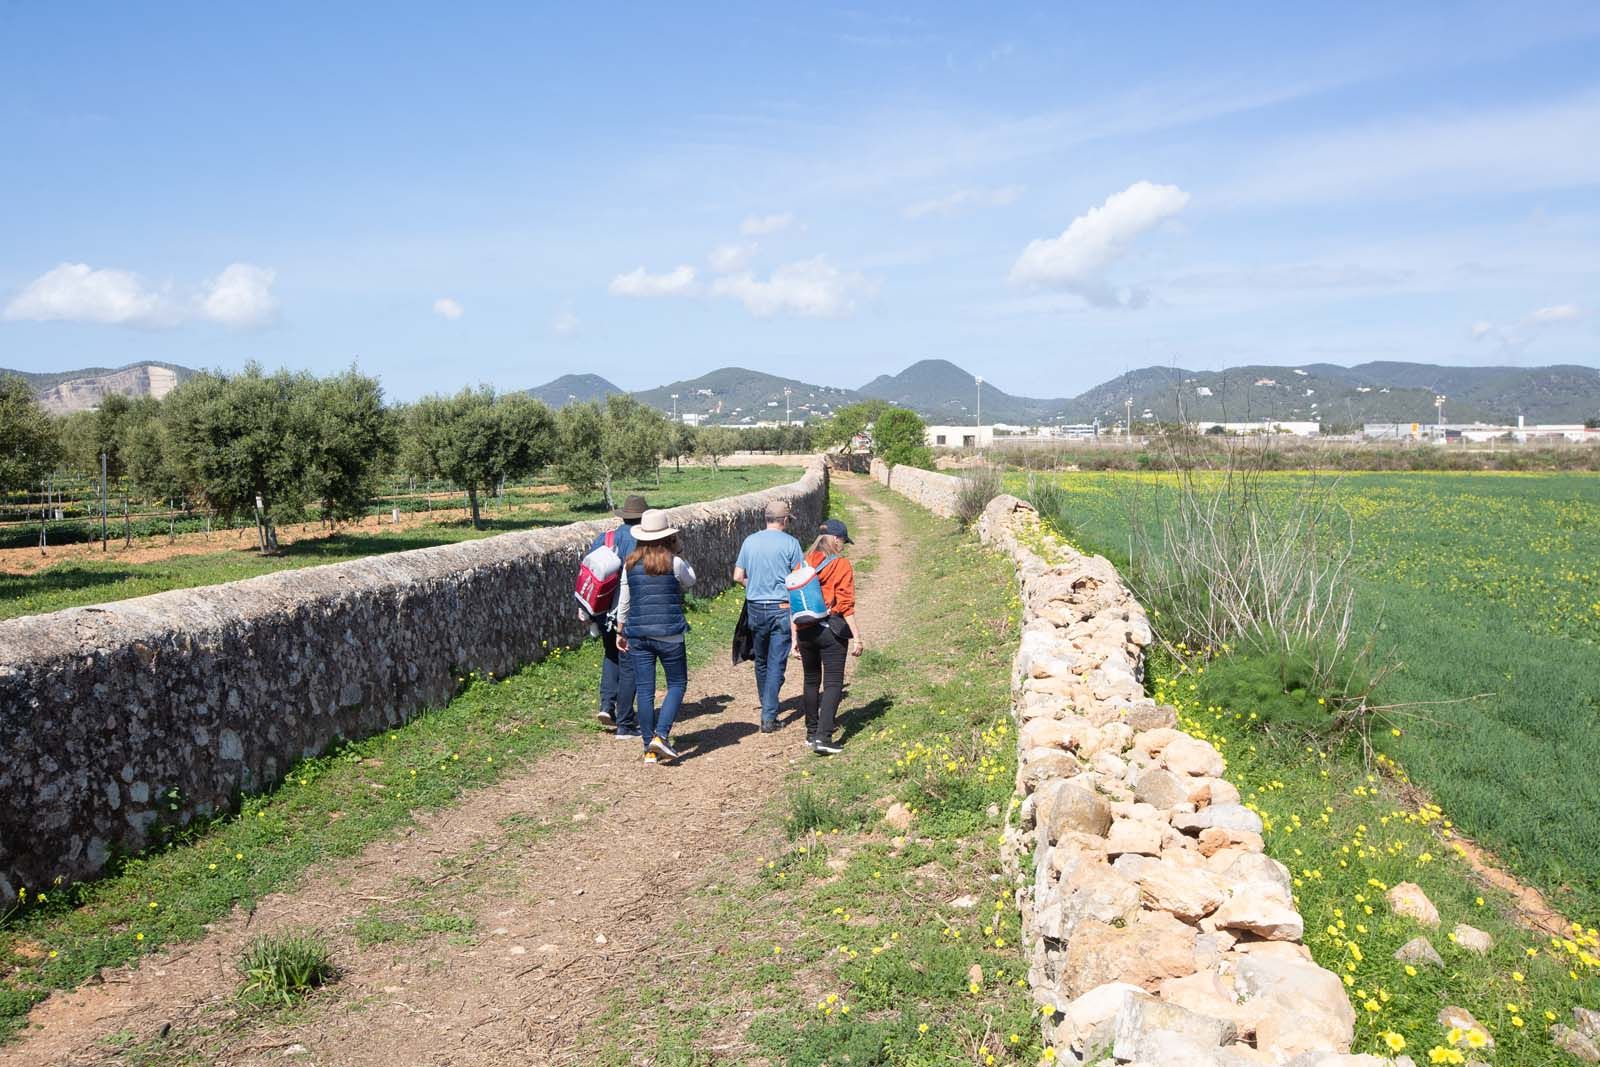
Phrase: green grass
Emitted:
{"points": [[837, 943], [283, 969], [1483, 581], [1347, 835], [1486, 587], [81, 582], [326, 808]]}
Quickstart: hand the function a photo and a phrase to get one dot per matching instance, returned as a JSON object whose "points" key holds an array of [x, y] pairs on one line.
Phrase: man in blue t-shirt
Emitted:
{"points": [[765, 560], [617, 683]]}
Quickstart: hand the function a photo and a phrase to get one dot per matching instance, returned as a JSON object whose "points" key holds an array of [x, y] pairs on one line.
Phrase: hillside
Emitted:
{"points": [[942, 392], [735, 395], [1369, 392], [574, 388], [63, 392]]}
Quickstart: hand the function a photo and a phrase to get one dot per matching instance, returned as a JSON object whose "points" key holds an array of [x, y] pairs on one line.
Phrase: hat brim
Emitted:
{"points": [[624, 513], [654, 535]]}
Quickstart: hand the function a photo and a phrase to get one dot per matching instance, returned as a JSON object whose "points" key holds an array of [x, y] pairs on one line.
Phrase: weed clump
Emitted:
{"points": [[280, 970], [978, 486]]}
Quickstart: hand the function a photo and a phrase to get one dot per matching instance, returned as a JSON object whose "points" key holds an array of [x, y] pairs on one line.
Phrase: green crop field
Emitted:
{"points": [[79, 582], [1486, 587]]}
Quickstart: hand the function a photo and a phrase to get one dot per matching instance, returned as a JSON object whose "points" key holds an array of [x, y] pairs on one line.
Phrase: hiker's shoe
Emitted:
{"points": [[605, 718], [659, 746], [650, 757], [628, 735], [811, 742], [826, 748], [769, 727]]}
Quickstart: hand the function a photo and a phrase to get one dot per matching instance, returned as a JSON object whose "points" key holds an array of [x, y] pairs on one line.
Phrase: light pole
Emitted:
{"points": [[1438, 405], [786, 391], [674, 407], [1127, 423], [978, 379]]}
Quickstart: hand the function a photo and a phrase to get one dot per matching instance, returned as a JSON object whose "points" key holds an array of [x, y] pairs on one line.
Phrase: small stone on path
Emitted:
{"points": [[1472, 939]]}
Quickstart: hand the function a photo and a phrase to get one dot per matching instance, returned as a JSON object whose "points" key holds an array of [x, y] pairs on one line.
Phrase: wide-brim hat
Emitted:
{"points": [[653, 526], [632, 508]]}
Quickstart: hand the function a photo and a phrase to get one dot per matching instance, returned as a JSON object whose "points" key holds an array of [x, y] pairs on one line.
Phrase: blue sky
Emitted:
{"points": [[1047, 196]]}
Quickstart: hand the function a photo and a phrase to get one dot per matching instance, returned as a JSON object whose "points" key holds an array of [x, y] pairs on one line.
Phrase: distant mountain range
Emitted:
{"points": [[944, 393]]}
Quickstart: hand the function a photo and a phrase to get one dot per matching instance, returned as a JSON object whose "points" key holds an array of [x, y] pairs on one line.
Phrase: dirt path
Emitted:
{"points": [[568, 876]]}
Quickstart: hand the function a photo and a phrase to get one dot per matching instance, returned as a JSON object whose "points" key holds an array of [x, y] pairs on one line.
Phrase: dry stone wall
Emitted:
{"points": [[934, 491], [168, 708], [1159, 932]]}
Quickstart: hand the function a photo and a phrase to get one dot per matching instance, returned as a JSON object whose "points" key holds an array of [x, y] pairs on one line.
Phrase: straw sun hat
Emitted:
{"points": [[653, 527]]}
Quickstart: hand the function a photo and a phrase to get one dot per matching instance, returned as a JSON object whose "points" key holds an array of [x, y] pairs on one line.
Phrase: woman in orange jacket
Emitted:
{"points": [[823, 645]]}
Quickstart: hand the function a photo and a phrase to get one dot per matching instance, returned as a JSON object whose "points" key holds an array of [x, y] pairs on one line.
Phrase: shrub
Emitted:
{"points": [[1049, 499], [281, 969], [978, 486]]}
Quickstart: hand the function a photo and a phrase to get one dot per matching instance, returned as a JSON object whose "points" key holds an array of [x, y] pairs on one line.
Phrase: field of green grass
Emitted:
{"points": [[80, 582], [1486, 589]]}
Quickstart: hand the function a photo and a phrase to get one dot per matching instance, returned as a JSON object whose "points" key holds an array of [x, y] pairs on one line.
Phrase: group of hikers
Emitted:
{"points": [[644, 623]]}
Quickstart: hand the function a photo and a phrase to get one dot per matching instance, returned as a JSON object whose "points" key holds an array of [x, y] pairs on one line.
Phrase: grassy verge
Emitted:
{"points": [[80, 582], [1348, 835], [842, 940], [325, 808]]}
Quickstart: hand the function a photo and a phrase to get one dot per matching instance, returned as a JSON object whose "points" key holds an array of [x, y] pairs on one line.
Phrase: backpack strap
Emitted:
{"points": [[611, 540]]}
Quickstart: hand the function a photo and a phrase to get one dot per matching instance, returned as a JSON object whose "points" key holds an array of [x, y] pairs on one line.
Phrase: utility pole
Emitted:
{"points": [[1127, 423], [979, 380], [786, 391], [674, 407], [102, 502]]}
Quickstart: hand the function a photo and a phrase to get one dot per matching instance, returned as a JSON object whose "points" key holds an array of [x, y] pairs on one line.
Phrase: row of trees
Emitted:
{"points": [[895, 435], [280, 444]]}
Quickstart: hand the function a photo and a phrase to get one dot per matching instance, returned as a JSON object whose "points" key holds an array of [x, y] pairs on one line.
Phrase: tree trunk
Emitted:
{"points": [[609, 502], [472, 498]]}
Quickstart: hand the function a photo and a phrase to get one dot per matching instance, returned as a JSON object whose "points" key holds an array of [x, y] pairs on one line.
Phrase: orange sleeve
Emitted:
{"points": [[839, 587]]}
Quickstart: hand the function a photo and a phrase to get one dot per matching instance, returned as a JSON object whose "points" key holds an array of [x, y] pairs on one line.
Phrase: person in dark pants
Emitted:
{"points": [[822, 646], [617, 686], [766, 558], [650, 616]]}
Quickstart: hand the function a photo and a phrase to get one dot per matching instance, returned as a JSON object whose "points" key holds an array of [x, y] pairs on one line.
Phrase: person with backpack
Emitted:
{"points": [[825, 630], [766, 558], [617, 684], [652, 624]]}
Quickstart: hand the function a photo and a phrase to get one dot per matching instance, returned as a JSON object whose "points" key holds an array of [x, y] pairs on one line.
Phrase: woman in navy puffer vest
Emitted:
{"points": [[652, 624]]}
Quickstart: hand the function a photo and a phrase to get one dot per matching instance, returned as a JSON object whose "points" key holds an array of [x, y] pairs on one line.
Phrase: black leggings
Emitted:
{"points": [[822, 654]]}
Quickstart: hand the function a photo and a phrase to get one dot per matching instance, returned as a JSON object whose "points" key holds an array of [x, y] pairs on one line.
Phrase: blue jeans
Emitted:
{"points": [[769, 633], [617, 687], [645, 651]]}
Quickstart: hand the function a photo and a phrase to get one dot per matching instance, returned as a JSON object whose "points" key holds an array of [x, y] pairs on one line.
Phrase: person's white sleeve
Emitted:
{"points": [[682, 571], [622, 603]]}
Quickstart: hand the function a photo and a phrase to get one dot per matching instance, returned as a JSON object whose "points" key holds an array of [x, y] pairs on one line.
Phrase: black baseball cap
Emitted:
{"points": [[837, 528]]}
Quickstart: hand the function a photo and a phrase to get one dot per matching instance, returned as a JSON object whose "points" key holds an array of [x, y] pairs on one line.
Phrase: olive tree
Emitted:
{"points": [[476, 439], [28, 443]]}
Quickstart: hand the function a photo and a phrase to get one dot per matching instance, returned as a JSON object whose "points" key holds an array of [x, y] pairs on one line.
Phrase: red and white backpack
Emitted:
{"points": [[598, 577]]}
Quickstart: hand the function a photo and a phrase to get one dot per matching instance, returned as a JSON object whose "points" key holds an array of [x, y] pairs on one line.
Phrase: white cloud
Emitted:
{"points": [[677, 282], [76, 292], [760, 225], [961, 198], [241, 295], [1557, 313], [725, 259], [565, 323], [448, 308], [1077, 260], [810, 287], [1481, 329]]}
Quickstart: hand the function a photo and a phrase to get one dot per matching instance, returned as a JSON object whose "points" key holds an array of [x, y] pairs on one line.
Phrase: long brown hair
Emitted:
{"points": [[657, 555], [828, 544]]}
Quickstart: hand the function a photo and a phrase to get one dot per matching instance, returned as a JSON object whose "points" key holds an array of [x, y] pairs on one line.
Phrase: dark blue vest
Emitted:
{"points": [[655, 605]]}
